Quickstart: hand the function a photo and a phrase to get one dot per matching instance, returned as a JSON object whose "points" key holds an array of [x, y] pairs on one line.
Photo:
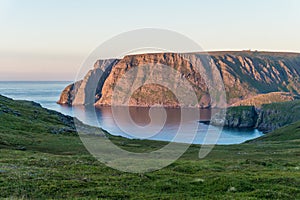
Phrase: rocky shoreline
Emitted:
{"points": [[266, 119]]}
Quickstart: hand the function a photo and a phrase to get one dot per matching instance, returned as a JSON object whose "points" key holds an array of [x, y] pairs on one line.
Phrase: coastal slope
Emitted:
{"points": [[41, 157]]}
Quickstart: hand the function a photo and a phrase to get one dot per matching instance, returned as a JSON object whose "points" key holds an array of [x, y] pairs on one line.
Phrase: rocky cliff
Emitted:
{"points": [[236, 117], [268, 118], [245, 74], [275, 115]]}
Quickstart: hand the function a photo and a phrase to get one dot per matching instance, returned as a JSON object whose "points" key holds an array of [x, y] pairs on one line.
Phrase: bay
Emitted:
{"points": [[139, 125]]}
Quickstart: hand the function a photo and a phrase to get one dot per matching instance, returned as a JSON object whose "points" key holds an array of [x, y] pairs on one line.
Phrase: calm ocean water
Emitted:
{"points": [[47, 93]]}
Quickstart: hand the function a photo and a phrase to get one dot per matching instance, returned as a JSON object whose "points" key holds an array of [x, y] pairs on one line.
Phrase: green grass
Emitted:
{"points": [[58, 166], [287, 133]]}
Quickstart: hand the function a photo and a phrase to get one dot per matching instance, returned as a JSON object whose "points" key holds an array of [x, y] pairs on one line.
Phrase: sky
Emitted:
{"points": [[50, 39]]}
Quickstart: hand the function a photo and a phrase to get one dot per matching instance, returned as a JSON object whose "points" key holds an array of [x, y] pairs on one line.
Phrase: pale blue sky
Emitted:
{"points": [[49, 39]]}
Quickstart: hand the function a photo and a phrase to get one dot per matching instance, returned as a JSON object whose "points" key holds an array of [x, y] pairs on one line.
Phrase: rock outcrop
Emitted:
{"points": [[236, 117], [268, 118], [80, 92], [276, 115], [245, 74]]}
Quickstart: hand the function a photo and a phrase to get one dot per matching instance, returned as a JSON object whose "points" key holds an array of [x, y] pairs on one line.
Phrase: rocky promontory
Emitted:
{"points": [[236, 117], [245, 74], [268, 118]]}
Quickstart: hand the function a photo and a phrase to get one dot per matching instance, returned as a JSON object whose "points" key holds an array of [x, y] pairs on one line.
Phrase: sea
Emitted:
{"points": [[141, 123]]}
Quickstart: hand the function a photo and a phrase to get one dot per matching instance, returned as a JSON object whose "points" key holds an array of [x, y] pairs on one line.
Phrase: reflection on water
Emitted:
{"points": [[103, 117], [47, 93]]}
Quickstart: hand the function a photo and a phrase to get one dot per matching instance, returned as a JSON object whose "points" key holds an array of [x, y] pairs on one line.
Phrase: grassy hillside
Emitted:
{"points": [[268, 98], [26, 125], [42, 157], [289, 133]]}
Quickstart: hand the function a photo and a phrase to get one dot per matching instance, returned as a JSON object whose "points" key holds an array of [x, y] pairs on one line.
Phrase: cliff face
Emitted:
{"points": [[236, 117], [268, 118], [275, 115], [245, 75], [151, 94], [88, 90]]}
